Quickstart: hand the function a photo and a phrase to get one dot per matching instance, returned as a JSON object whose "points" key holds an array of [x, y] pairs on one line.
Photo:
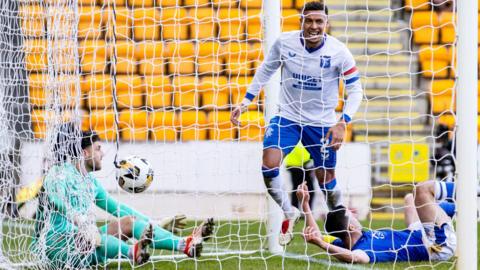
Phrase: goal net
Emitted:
{"points": [[159, 79]]}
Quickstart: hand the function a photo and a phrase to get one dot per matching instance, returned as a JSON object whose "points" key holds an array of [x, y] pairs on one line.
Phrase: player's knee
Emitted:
{"points": [[325, 176], [408, 199]]}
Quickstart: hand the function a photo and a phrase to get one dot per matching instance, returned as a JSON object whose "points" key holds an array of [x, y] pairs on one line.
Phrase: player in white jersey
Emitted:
{"points": [[312, 63]]}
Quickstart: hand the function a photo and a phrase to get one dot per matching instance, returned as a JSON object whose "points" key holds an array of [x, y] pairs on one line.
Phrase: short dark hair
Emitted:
{"points": [[336, 223], [89, 137], [315, 5]]}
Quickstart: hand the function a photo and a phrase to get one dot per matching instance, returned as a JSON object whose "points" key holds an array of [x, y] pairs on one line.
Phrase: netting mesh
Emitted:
{"points": [[159, 78]]}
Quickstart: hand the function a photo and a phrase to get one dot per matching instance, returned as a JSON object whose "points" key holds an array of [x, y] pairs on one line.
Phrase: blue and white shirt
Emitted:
{"points": [[310, 79]]}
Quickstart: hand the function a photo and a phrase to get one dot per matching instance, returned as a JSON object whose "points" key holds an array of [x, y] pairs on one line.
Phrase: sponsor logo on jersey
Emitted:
{"points": [[325, 61]]}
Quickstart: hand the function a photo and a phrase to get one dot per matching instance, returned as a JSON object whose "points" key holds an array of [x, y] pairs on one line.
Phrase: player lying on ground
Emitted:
{"points": [[312, 63], [65, 229], [430, 234]]}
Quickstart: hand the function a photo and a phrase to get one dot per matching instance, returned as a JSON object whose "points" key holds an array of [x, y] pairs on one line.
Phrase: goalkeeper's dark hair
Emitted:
{"points": [[315, 6], [336, 223], [66, 146], [89, 137]]}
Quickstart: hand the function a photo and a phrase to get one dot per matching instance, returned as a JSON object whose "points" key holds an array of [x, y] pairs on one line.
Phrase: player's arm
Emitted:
{"points": [[263, 74], [312, 235], [303, 196], [353, 87], [112, 206]]}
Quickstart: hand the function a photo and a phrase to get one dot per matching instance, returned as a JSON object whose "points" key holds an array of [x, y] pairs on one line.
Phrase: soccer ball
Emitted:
{"points": [[134, 174]]}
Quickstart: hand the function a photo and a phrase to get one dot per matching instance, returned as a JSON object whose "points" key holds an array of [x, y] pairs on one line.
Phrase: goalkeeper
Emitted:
{"points": [[429, 235], [65, 228]]}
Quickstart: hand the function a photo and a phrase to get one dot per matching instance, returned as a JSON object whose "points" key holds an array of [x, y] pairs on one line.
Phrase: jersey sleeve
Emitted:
{"points": [[351, 79], [263, 74], [106, 202]]}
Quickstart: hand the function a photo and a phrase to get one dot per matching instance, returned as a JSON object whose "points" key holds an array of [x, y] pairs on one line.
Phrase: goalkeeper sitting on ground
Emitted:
{"points": [[65, 228], [430, 234]]}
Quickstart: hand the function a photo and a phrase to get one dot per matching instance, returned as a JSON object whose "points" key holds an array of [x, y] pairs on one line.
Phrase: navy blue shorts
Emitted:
{"points": [[285, 135]]}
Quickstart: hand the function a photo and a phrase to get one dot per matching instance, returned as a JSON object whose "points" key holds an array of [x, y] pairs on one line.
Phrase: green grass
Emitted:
{"points": [[243, 236]]}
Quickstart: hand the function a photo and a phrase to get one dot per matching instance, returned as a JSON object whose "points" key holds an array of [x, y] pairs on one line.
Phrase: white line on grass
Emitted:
{"points": [[323, 261]]}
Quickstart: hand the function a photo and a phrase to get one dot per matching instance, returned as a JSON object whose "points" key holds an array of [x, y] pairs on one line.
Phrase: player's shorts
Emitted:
{"points": [[440, 241], [285, 134]]}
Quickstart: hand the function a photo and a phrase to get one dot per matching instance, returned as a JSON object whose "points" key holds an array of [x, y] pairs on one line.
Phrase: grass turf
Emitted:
{"points": [[242, 236]]}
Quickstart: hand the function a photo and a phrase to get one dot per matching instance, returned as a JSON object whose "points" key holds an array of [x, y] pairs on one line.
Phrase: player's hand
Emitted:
{"points": [[312, 235], [174, 224], [303, 194], [237, 111], [337, 134]]}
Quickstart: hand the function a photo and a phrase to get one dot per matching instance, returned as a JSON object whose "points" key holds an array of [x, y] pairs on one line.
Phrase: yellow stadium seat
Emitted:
{"points": [[158, 99], [89, 13], [36, 62], [448, 120], [250, 4], [238, 88], [214, 92], [87, 2], [179, 49], [234, 50], [208, 48], [141, 3], [254, 31], [95, 83], [123, 24], [252, 126], [130, 91], [102, 121], [448, 35], [442, 104], [118, 3], [231, 24], [421, 19], [442, 87], [435, 69], [133, 125], [33, 28], [149, 49], [204, 26], [184, 83], [447, 19], [123, 48], [157, 84], [93, 64], [99, 99], [186, 99], [151, 67], [208, 65], [89, 30], [417, 5], [290, 17], [37, 81], [92, 47], [241, 66], [171, 3], [125, 65], [175, 22], [193, 125], [146, 22], [37, 97], [32, 46], [435, 52], [181, 65], [220, 127], [225, 3], [32, 12], [174, 31], [213, 83], [300, 3], [163, 125], [255, 51], [126, 62], [426, 35]]}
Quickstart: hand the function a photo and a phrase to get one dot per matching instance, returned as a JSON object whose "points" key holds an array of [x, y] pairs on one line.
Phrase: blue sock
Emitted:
{"points": [[444, 190], [448, 207]]}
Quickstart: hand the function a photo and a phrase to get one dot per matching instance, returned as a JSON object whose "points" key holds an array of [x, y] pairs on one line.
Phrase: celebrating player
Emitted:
{"points": [[312, 63], [65, 226], [430, 234]]}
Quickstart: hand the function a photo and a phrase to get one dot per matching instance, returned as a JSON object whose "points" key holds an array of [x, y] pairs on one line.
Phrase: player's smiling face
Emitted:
{"points": [[314, 25], [93, 157]]}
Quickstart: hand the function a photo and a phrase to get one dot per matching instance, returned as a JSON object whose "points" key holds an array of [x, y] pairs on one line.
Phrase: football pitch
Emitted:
{"points": [[241, 245], [238, 245]]}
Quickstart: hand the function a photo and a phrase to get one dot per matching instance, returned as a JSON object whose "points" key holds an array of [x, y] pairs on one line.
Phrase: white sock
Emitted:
{"points": [[274, 188]]}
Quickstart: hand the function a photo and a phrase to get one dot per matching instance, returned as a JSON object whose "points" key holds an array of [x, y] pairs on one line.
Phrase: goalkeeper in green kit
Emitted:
{"points": [[66, 234]]}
